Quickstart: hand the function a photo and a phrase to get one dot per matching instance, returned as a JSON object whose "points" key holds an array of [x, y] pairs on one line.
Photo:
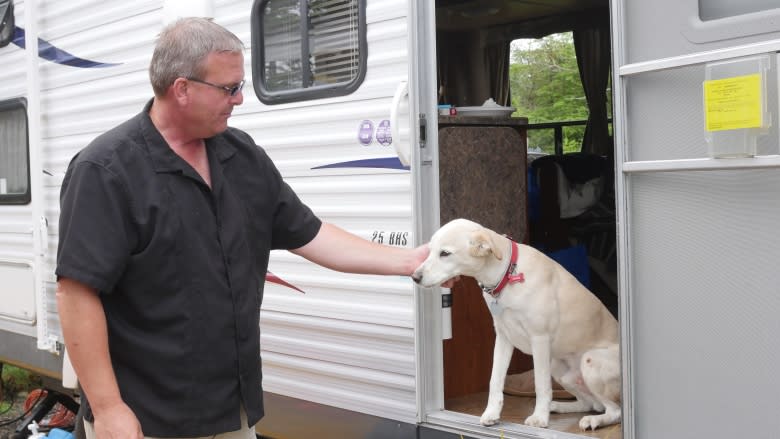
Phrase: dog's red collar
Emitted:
{"points": [[509, 276]]}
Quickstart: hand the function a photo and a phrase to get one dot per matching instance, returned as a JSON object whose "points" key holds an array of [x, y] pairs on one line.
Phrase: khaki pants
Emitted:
{"points": [[246, 431]]}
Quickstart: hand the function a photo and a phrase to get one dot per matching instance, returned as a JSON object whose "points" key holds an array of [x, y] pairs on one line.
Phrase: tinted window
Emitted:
{"points": [[14, 153], [307, 49]]}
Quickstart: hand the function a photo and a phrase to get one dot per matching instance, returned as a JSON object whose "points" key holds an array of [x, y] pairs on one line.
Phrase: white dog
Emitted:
{"points": [[541, 309]]}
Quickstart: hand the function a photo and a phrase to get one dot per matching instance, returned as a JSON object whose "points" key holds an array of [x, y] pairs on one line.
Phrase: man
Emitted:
{"points": [[166, 226]]}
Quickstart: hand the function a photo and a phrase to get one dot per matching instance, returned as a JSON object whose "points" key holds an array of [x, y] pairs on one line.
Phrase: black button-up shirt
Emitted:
{"points": [[180, 268]]}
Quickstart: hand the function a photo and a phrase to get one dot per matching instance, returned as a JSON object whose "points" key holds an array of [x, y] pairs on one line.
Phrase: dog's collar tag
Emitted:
{"points": [[495, 307]]}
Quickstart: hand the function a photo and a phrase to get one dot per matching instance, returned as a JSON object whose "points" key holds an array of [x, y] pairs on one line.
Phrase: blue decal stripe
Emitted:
{"points": [[383, 163], [53, 54]]}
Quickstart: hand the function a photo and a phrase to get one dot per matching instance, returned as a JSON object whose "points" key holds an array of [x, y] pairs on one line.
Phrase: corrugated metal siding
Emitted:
{"points": [[347, 342], [78, 104], [16, 238]]}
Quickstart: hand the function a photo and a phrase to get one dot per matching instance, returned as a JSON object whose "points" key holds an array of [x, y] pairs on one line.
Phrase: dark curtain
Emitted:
{"points": [[471, 71], [592, 46], [496, 61]]}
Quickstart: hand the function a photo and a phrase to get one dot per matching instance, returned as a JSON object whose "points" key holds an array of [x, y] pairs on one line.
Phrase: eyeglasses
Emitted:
{"points": [[232, 91]]}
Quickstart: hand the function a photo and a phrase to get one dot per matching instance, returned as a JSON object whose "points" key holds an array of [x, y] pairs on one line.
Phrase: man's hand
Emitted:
{"points": [[419, 255], [117, 422]]}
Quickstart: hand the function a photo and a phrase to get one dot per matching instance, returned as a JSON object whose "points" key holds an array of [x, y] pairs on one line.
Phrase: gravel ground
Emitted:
{"points": [[16, 410]]}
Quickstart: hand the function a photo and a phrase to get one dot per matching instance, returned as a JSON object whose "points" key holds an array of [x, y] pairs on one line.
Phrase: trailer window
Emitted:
{"points": [[716, 9], [307, 49], [14, 153]]}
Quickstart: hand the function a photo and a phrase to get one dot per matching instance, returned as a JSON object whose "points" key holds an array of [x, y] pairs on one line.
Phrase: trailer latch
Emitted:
{"points": [[423, 130]]}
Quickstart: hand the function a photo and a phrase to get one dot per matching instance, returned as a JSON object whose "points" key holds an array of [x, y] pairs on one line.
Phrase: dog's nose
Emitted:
{"points": [[416, 277]]}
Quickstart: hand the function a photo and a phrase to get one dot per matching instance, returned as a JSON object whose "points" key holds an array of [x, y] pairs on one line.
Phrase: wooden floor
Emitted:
{"points": [[517, 408]]}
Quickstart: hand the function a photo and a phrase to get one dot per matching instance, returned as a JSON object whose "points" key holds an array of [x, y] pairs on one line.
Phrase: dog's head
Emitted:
{"points": [[460, 247]]}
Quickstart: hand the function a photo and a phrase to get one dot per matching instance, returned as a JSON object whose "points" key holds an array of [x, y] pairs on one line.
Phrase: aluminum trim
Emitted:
{"points": [[625, 308], [697, 58], [704, 164]]}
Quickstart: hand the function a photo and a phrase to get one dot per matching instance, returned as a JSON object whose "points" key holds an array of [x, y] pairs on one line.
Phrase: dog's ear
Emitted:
{"points": [[482, 243]]}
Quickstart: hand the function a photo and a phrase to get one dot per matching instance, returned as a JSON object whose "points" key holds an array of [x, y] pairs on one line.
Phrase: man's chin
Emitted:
{"points": [[218, 129]]}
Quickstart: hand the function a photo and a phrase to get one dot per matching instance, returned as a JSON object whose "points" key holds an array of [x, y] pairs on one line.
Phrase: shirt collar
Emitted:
{"points": [[164, 159]]}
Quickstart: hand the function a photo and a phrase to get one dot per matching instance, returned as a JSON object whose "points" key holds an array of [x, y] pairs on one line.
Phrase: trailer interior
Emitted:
{"points": [[473, 58]]}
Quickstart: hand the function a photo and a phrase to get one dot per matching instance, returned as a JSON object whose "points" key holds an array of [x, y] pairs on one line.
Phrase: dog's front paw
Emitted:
{"points": [[537, 421], [590, 422], [490, 417]]}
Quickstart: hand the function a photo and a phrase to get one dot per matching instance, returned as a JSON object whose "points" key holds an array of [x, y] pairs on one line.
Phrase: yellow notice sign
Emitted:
{"points": [[733, 103]]}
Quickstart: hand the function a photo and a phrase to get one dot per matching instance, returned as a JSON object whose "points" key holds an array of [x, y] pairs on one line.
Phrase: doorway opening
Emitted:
{"points": [[557, 139]]}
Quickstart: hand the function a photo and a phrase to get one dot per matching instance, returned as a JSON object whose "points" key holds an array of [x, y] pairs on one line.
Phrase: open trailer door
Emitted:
{"points": [[696, 135]]}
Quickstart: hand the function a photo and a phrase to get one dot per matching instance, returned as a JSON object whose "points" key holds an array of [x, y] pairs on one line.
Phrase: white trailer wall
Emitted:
{"points": [[349, 340], [16, 237], [77, 100], [79, 103]]}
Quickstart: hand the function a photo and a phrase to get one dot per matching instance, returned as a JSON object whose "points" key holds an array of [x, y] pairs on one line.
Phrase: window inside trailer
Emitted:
{"points": [[14, 153], [307, 49], [546, 86]]}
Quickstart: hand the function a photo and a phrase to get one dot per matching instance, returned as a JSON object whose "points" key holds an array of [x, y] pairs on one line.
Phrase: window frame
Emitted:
{"points": [[26, 197], [301, 94]]}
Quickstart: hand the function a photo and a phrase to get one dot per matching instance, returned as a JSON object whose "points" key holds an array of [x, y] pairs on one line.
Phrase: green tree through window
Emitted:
{"points": [[545, 83]]}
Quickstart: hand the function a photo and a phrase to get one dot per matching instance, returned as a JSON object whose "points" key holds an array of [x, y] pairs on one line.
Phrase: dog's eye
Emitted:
{"points": [[444, 254]]}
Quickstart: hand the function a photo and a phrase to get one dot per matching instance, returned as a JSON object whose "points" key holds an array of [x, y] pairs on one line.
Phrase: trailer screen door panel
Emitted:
{"points": [[698, 161]]}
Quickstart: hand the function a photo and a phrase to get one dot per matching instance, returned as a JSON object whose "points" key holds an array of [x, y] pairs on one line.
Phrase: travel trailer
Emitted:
{"points": [[344, 96]]}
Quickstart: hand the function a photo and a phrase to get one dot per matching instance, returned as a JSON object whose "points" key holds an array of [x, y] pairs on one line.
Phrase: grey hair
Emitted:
{"points": [[183, 46]]}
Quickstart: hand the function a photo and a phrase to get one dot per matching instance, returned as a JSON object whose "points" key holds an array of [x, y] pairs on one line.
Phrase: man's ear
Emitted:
{"points": [[180, 90], [481, 244]]}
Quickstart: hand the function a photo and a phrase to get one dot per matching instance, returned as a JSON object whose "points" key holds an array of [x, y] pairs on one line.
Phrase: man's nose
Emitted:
{"points": [[238, 98]]}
